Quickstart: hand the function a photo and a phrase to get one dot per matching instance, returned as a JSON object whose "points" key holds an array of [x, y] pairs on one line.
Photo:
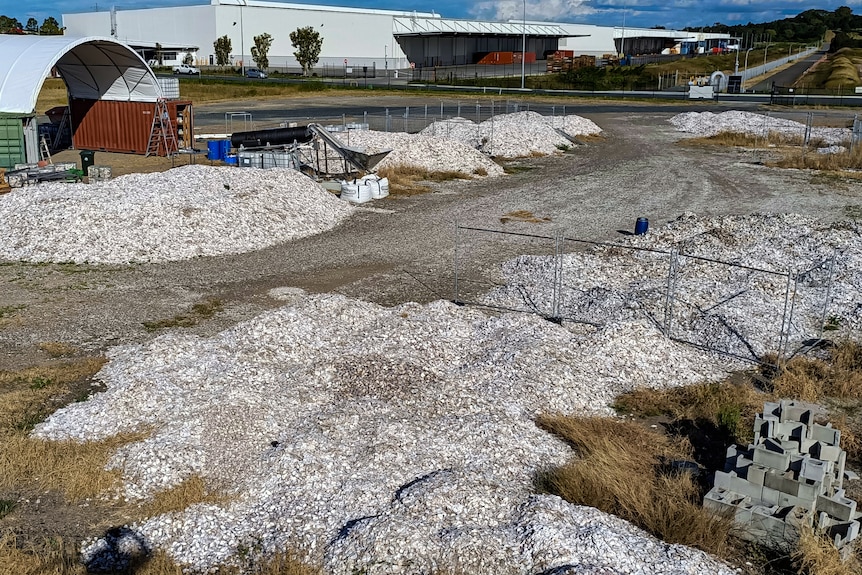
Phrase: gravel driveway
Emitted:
{"points": [[401, 249]]}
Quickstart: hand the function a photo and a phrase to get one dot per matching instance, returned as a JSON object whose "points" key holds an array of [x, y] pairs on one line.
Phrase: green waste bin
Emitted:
{"points": [[88, 158]]}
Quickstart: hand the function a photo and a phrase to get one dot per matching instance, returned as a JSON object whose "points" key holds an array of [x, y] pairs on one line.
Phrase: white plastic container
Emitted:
{"points": [[357, 192], [379, 186]]}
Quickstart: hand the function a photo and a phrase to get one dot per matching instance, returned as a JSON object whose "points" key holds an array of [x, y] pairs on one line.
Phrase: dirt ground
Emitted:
{"points": [[393, 250]]}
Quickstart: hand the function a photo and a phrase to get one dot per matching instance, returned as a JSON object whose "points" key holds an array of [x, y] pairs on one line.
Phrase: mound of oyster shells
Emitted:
{"points": [[760, 125], [381, 440], [183, 213]]}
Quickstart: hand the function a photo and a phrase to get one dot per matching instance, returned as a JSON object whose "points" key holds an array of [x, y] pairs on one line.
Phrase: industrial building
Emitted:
{"points": [[379, 39]]}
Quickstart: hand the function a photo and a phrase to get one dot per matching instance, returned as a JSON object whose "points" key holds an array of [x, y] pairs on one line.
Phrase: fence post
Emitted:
{"points": [[828, 293], [365, 117], [786, 317], [455, 261], [387, 121], [478, 114], [441, 109], [406, 116], [669, 292], [459, 108], [558, 276]]}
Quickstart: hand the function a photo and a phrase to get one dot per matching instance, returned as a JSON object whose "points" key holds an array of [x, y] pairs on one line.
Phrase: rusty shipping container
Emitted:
{"points": [[124, 127]]}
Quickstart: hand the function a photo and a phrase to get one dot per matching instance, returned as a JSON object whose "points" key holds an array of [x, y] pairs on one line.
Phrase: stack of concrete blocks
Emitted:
{"points": [[790, 477]]}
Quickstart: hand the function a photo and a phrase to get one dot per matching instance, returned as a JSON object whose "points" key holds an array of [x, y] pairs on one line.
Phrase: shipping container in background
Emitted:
{"points": [[125, 127], [19, 140]]}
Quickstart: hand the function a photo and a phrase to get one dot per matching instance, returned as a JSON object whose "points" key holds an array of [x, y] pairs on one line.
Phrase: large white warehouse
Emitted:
{"points": [[383, 39]]}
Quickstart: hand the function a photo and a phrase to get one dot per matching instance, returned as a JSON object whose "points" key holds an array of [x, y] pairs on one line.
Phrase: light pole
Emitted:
{"points": [[523, 44], [745, 73], [623, 34], [765, 52], [241, 41]]}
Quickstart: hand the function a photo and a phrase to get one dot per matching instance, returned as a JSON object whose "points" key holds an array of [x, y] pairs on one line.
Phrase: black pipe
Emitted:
{"points": [[273, 137]]}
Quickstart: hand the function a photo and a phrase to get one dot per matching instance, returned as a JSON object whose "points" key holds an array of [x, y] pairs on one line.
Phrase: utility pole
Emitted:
{"points": [[523, 45]]}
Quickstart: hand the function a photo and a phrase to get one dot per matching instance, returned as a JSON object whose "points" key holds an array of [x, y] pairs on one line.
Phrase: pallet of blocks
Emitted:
{"points": [[4, 187], [561, 61]]}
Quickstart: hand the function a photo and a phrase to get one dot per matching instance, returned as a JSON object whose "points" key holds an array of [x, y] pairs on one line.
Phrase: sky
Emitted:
{"points": [[636, 13]]}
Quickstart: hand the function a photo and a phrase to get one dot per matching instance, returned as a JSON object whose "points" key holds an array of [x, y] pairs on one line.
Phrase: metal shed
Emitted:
{"points": [[93, 68]]}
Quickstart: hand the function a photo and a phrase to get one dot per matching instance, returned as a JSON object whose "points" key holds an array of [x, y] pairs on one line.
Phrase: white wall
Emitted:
{"points": [[364, 39], [599, 40]]}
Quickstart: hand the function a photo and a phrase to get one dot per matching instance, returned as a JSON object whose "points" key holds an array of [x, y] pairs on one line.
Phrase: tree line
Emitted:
{"points": [[808, 26], [49, 26], [306, 41]]}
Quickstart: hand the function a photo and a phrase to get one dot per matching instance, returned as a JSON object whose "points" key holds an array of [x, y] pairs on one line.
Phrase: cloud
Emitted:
{"points": [[547, 10]]}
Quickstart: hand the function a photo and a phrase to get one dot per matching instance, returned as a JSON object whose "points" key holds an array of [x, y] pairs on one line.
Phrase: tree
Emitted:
{"points": [[308, 44], [260, 50], [32, 25], [9, 25], [222, 47], [160, 55], [50, 27], [188, 59]]}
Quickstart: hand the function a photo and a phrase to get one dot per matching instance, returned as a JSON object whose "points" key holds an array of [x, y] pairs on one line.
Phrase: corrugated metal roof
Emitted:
{"points": [[416, 26], [93, 67]]}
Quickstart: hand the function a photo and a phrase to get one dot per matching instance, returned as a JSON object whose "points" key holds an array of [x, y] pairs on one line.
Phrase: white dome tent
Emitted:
{"points": [[93, 68]]}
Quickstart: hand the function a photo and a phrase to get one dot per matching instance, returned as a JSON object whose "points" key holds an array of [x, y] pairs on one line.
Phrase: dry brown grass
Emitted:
{"points": [[54, 556], [810, 160], [743, 140], [624, 469], [811, 379], [406, 180], [191, 491], [53, 94], [816, 555], [198, 312], [523, 216], [75, 469], [58, 348], [25, 394], [726, 405]]}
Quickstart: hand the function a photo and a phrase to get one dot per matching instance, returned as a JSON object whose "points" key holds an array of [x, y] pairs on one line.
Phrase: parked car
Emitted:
{"points": [[186, 69], [255, 73]]}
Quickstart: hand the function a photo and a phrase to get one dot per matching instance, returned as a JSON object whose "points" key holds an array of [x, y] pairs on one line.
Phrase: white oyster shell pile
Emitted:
{"points": [[382, 440], [183, 213], [760, 125], [516, 135], [736, 308]]}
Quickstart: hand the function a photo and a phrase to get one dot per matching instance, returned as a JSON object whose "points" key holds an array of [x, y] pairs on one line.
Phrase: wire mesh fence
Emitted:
{"points": [[750, 313]]}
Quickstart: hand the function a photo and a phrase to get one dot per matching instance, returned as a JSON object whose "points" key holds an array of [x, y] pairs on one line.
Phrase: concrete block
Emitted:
{"points": [[843, 533], [769, 496], [837, 506], [787, 500], [825, 434], [771, 408], [782, 483], [745, 488], [722, 479], [807, 493], [813, 470], [806, 445], [755, 473], [791, 430], [772, 444], [826, 452], [768, 458]]}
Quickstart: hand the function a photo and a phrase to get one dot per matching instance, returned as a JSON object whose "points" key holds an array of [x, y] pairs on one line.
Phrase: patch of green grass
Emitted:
{"points": [[10, 309], [197, 313], [6, 507]]}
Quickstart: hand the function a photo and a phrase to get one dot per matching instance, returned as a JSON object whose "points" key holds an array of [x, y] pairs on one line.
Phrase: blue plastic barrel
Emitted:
{"points": [[225, 148], [641, 226], [214, 150], [230, 159]]}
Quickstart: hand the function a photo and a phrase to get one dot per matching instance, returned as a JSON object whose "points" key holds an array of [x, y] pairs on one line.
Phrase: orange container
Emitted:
{"points": [[493, 58], [124, 127]]}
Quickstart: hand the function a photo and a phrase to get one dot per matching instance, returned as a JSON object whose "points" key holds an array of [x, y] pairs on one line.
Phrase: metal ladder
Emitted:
{"points": [[162, 134], [44, 152], [65, 124]]}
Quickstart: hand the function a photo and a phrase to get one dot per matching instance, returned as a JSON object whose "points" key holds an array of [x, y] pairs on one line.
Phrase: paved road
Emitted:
{"points": [[789, 76]]}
